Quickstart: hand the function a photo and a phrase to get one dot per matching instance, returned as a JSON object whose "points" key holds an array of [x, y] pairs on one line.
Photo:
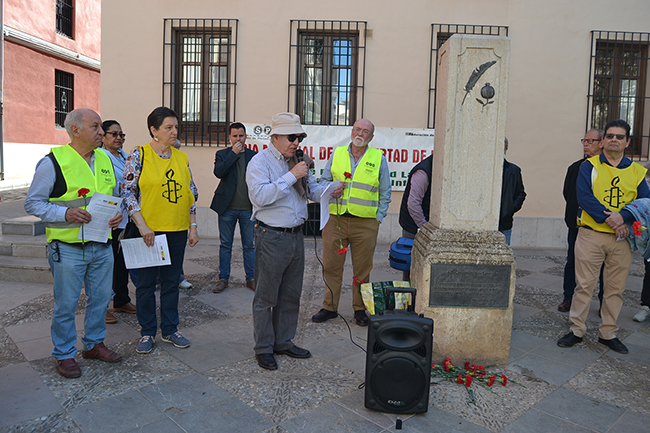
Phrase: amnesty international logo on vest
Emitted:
{"points": [[613, 187], [613, 197], [165, 205], [172, 188]]}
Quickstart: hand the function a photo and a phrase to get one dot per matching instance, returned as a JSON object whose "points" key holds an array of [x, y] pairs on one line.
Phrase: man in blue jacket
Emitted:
{"points": [[232, 204]]}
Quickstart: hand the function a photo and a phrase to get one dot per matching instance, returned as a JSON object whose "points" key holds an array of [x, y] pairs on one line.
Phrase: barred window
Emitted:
{"points": [[63, 96], [618, 85], [200, 77], [439, 35], [64, 14], [326, 71]]}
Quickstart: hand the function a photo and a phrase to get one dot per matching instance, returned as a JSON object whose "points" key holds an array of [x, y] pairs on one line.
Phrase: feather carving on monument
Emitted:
{"points": [[476, 74]]}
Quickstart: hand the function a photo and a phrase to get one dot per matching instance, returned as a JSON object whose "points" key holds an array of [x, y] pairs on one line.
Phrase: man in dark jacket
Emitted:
{"points": [[591, 145], [512, 194], [232, 204], [416, 201]]}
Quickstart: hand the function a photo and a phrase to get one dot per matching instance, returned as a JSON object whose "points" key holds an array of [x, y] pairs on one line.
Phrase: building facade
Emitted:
{"points": [[52, 52], [574, 65]]}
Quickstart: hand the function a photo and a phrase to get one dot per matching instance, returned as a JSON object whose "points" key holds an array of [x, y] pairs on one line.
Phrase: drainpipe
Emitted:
{"points": [[2, 73]]}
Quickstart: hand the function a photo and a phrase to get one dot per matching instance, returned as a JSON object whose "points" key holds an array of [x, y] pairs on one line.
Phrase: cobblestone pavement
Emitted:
{"points": [[216, 385]]}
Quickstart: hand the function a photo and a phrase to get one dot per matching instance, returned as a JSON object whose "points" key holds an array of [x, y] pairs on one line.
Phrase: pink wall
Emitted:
{"points": [[29, 95], [38, 18]]}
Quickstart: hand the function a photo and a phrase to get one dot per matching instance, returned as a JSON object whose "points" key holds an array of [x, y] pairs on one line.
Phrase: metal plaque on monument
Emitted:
{"points": [[461, 264]]}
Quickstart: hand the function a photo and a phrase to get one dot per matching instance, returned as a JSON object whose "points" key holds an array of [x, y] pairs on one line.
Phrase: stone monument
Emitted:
{"points": [[461, 265]]}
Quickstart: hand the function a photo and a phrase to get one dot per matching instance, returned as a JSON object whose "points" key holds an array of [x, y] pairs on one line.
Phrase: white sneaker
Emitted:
{"points": [[185, 284], [642, 315]]}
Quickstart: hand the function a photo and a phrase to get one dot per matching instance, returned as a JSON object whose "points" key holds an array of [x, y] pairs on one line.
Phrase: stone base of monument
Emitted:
{"points": [[466, 283]]}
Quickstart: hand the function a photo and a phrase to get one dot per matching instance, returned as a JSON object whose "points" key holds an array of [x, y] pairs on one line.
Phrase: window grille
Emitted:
{"points": [[326, 71], [199, 77], [63, 96], [439, 35], [64, 13], [618, 85]]}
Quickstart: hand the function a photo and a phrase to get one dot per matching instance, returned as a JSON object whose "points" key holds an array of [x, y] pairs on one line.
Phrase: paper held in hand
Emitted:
{"points": [[102, 208], [138, 255]]}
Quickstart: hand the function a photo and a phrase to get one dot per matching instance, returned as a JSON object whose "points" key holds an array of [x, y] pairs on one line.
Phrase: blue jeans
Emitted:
{"points": [[227, 222], [70, 271], [145, 292], [507, 234]]}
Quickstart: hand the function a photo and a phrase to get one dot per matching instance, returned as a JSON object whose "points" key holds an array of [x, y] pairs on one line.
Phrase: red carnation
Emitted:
{"points": [[460, 379], [468, 380], [83, 191], [347, 175], [467, 365], [504, 380], [343, 250], [491, 380], [637, 228]]}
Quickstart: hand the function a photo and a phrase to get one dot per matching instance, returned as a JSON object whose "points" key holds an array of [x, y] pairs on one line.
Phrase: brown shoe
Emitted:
{"points": [[102, 353], [564, 306], [127, 308], [110, 319], [251, 284], [68, 368], [221, 286]]}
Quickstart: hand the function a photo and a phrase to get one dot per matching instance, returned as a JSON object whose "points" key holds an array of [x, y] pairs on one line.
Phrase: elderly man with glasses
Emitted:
{"points": [[606, 183], [592, 144], [279, 183], [354, 219]]}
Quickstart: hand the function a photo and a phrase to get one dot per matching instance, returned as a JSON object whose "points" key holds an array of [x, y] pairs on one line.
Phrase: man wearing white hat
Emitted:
{"points": [[279, 184]]}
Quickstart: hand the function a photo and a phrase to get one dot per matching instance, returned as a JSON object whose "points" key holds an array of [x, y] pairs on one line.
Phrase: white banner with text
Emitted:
{"points": [[402, 147]]}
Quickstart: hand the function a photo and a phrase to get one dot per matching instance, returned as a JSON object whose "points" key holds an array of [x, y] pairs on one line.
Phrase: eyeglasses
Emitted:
{"points": [[365, 131], [115, 134], [618, 136], [293, 138], [589, 140]]}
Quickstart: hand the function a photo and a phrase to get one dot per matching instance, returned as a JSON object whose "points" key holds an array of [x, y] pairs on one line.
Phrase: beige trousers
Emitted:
{"points": [[360, 234], [592, 250]]}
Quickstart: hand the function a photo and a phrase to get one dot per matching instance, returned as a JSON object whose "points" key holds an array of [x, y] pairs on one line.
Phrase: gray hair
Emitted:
{"points": [[600, 132], [505, 140], [76, 118]]}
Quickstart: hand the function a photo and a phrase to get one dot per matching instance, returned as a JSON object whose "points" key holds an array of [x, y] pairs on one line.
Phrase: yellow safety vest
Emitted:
{"points": [[77, 175], [165, 191], [613, 187], [361, 195]]}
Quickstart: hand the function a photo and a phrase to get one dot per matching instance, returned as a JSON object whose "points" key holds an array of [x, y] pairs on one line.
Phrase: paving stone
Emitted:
{"points": [[580, 409], [23, 396], [535, 421], [298, 386], [330, 418], [229, 415], [120, 413], [100, 380], [183, 394]]}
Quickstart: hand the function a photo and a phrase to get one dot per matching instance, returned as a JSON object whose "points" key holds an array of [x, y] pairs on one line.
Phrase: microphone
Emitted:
{"points": [[300, 155]]}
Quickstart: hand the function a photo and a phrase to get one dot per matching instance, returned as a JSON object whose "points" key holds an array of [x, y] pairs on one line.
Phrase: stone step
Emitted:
{"points": [[23, 246], [25, 226], [25, 269]]}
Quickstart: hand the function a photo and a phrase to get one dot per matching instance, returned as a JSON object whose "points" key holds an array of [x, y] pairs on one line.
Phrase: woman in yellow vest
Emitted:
{"points": [[160, 196]]}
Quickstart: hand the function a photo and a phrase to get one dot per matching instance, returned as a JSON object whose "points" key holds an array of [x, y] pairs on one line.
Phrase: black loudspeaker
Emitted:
{"points": [[398, 362]]}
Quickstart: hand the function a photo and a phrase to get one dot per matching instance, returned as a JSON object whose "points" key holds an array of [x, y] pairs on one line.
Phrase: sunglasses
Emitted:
{"points": [[116, 134], [294, 137], [618, 136], [589, 140]]}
